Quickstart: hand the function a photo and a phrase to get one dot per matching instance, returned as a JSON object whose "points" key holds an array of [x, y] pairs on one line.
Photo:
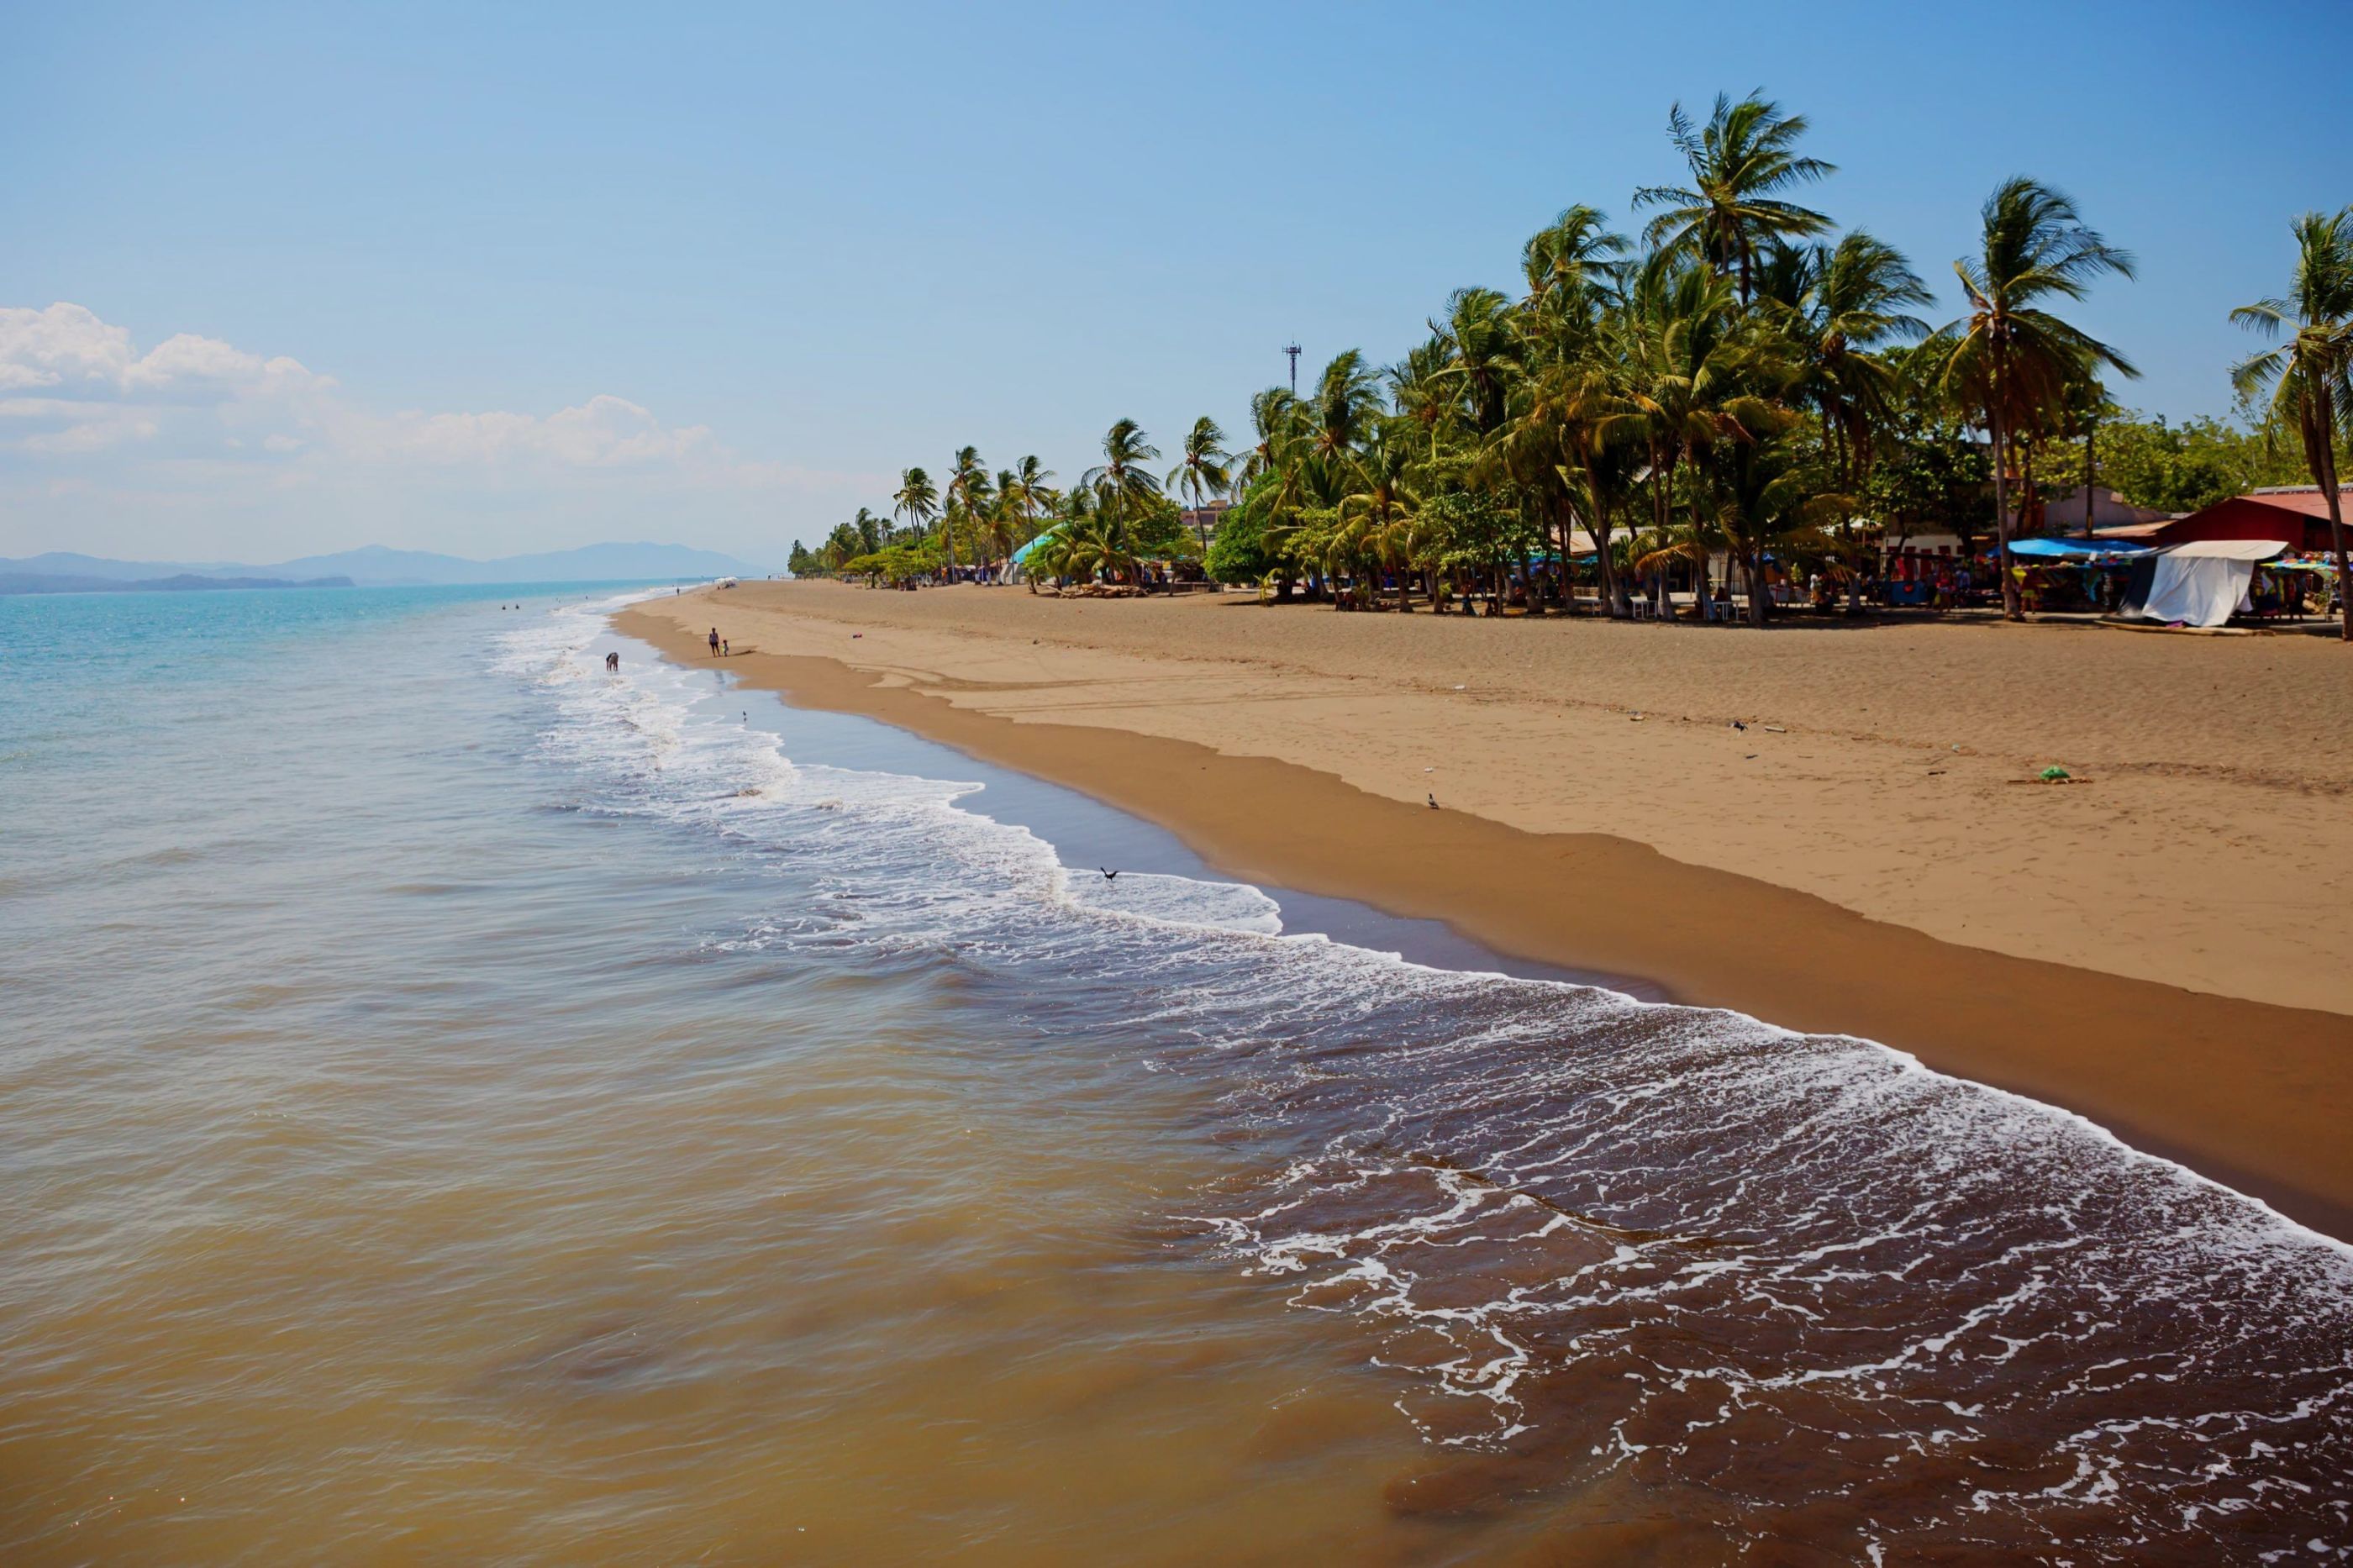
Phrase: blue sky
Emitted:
{"points": [[497, 278]]}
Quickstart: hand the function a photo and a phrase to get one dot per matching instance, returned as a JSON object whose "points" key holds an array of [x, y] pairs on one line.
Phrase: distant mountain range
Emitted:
{"points": [[373, 566], [48, 583]]}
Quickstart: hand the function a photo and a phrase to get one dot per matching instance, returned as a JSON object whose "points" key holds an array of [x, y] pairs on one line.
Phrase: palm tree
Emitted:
{"points": [[1418, 388], [1004, 514], [2009, 361], [1853, 301], [1677, 337], [917, 501], [1379, 513], [1095, 545], [1741, 162], [967, 495], [1032, 490], [1571, 258], [2309, 378], [870, 530], [1333, 422], [1274, 421], [1121, 482], [1484, 353], [1207, 470]]}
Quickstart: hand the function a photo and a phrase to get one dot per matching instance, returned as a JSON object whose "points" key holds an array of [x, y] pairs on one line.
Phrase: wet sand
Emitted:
{"points": [[1841, 871]]}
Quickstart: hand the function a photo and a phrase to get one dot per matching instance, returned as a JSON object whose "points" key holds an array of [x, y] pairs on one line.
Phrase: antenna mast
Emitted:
{"points": [[1292, 350]]}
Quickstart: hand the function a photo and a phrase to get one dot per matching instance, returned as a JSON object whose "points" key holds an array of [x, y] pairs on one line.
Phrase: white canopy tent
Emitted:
{"points": [[2201, 584]]}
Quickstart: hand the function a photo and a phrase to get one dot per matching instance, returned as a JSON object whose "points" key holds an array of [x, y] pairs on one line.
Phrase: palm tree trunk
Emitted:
{"points": [[2010, 609], [2337, 540], [2091, 434], [1608, 569]]}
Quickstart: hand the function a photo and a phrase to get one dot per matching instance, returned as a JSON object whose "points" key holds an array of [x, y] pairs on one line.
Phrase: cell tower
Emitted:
{"points": [[1292, 350]]}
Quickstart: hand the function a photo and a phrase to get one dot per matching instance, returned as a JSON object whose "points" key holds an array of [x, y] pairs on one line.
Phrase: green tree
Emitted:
{"points": [[967, 498], [2182, 468], [1240, 552], [2011, 360], [1931, 475], [2308, 380], [1122, 482], [917, 501], [1483, 350], [1742, 163], [1853, 303], [1680, 339], [1381, 509], [1334, 421], [1206, 471], [1031, 493]]}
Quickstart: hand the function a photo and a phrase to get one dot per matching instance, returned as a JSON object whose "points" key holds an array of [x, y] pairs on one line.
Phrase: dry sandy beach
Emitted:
{"points": [[2161, 945]]}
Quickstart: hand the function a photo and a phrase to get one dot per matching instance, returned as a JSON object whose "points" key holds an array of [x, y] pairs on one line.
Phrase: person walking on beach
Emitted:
{"points": [[715, 642]]}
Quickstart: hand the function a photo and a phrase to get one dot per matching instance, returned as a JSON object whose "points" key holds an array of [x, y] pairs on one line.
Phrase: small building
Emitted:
{"points": [[2065, 514], [2292, 515], [1203, 521]]}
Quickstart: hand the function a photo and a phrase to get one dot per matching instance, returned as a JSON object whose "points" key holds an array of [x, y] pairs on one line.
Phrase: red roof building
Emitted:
{"points": [[2298, 517]]}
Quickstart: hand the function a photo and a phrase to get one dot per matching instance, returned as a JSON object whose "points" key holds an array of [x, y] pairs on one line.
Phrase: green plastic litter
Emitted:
{"points": [[2053, 774]]}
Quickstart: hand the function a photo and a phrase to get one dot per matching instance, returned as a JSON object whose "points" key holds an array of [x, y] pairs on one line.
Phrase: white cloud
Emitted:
{"points": [[219, 439], [602, 433], [82, 388], [64, 345]]}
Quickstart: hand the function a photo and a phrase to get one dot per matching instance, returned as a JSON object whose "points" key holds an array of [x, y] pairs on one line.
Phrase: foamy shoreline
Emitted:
{"points": [[2245, 1092]]}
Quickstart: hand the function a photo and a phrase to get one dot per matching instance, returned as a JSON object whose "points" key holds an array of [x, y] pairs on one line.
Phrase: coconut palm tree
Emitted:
{"points": [[1206, 471], [1741, 162], [2308, 380], [1570, 259], [967, 496], [1679, 341], [1123, 482], [1031, 490], [917, 501], [1274, 422], [1853, 302], [1095, 545], [2009, 361], [1378, 514], [1004, 515], [1484, 352], [1334, 423], [1419, 389]]}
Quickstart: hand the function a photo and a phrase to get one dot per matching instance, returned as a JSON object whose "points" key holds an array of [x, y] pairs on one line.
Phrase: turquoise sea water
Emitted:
{"points": [[459, 1105]]}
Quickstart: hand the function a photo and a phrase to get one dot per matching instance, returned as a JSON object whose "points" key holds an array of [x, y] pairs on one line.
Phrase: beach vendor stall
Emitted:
{"points": [[2201, 584], [2075, 573]]}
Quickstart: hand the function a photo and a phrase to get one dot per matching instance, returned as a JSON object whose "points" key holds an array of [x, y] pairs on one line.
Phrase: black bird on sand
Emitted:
{"points": [[1433, 802], [1108, 876]]}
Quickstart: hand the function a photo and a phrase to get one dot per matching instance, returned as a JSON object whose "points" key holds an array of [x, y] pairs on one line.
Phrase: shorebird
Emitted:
{"points": [[1109, 876], [1433, 802]]}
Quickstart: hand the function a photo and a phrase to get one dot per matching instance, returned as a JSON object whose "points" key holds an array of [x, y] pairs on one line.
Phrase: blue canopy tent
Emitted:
{"points": [[2080, 552], [1016, 564]]}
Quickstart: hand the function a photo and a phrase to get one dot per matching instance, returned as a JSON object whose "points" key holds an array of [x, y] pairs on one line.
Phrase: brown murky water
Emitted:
{"points": [[454, 1107]]}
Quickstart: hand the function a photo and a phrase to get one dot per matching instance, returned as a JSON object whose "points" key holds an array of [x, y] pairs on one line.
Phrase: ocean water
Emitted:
{"points": [[457, 1105]]}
